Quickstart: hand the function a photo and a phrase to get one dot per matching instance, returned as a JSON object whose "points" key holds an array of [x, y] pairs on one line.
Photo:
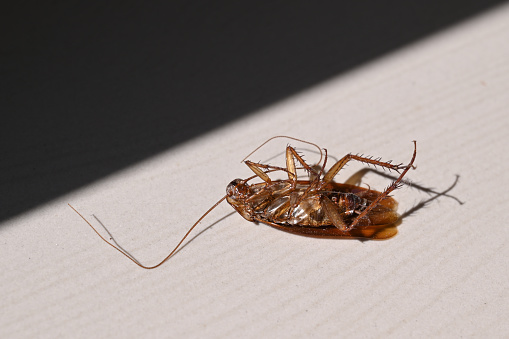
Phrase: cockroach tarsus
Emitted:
{"points": [[317, 207]]}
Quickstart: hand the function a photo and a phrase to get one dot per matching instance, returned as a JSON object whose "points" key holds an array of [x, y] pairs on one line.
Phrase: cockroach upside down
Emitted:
{"points": [[319, 206], [316, 207]]}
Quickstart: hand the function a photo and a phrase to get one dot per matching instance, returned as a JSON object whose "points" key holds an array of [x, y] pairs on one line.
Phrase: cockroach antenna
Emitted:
{"points": [[316, 207]]}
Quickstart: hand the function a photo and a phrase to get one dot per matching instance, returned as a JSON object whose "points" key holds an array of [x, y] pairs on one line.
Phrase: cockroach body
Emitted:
{"points": [[312, 215], [318, 207]]}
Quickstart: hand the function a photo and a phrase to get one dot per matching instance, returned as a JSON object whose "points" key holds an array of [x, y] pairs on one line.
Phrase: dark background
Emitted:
{"points": [[87, 89]]}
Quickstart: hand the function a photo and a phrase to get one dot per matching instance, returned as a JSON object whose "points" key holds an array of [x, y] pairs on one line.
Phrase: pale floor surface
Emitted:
{"points": [[444, 275]]}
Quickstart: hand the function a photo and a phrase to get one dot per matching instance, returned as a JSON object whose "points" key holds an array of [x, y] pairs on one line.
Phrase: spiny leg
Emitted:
{"points": [[333, 213], [314, 176], [290, 168], [342, 162], [290, 164], [396, 184], [291, 155], [258, 170]]}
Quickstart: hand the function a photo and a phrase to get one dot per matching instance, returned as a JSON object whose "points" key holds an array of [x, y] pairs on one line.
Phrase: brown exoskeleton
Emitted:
{"points": [[317, 207]]}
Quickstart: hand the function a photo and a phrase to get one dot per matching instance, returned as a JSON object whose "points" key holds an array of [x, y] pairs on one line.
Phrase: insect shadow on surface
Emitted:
{"points": [[356, 179], [436, 195], [316, 207]]}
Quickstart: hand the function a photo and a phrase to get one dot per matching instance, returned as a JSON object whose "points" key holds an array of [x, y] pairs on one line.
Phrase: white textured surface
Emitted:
{"points": [[445, 274]]}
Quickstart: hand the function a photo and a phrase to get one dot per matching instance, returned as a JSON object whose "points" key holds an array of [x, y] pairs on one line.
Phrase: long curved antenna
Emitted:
{"points": [[284, 136], [169, 255]]}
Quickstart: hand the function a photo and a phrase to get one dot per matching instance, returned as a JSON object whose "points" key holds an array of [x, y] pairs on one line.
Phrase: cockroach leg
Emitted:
{"points": [[316, 177], [388, 190], [332, 212], [292, 154], [290, 164], [257, 169], [290, 169], [333, 171]]}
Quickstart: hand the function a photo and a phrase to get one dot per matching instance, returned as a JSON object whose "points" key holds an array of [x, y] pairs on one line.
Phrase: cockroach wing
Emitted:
{"points": [[376, 232]]}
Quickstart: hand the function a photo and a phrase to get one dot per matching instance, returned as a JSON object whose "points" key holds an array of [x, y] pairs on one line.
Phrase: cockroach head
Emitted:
{"points": [[237, 189], [237, 192]]}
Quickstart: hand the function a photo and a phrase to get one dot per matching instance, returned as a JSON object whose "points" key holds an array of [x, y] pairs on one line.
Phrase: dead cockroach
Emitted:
{"points": [[317, 207]]}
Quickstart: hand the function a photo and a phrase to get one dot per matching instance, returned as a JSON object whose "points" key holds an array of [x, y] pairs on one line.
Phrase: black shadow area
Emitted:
{"points": [[88, 88]]}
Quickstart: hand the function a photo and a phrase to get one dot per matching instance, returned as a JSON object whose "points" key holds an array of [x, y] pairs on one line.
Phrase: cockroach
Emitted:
{"points": [[316, 207]]}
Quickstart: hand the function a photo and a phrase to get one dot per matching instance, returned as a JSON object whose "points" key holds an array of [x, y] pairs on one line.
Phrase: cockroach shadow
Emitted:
{"points": [[356, 179], [310, 204]]}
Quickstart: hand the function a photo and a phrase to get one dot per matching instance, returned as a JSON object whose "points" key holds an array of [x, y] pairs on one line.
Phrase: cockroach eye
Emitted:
{"points": [[231, 186], [236, 188]]}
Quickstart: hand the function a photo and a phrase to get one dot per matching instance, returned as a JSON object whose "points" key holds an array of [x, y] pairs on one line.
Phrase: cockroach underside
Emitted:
{"points": [[316, 207]]}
